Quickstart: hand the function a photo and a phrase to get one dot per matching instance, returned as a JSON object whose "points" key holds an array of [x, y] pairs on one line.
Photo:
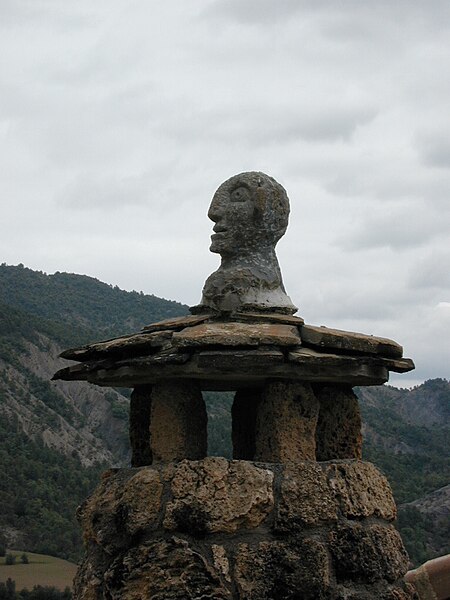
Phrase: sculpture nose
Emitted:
{"points": [[215, 212]]}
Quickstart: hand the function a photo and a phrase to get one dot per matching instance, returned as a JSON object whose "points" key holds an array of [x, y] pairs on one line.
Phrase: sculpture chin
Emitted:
{"points": [[220, 244]]}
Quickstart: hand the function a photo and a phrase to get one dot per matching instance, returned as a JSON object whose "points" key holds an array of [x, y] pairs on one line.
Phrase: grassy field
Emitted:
{"points": [[41, 570]]}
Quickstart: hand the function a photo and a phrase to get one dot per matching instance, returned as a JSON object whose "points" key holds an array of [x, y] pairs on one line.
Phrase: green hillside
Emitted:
{"points": [[93, 307]]}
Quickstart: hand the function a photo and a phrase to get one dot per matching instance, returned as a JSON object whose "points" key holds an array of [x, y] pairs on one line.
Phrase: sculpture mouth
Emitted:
{"points": [[220, 229]]}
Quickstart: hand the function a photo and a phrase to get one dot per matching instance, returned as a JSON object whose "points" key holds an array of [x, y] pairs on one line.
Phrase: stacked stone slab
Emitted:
{"points": [[293, 383], [296, 514]]}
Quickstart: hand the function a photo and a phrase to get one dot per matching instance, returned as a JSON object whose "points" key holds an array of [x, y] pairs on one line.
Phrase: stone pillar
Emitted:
{"points": [[286, 423], [178, 423], [243, 419], [140, 405], [338, 433]]}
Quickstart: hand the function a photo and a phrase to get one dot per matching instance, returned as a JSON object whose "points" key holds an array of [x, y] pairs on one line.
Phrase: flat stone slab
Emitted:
{"points": [[177, 322], [232, 360], [246, 367], [307, 356], [349, 341], [139, 343], [237, 334], [262, 317]]}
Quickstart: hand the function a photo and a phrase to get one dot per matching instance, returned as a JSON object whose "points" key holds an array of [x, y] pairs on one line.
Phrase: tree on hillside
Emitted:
{"points": [[8, 590], [2, 544]]}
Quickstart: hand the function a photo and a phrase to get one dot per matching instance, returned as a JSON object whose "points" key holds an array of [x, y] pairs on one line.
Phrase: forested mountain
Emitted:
{"points": [[56, 437]]}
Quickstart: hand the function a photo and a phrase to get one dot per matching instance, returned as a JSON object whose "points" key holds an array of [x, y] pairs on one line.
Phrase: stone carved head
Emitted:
{"points": [[250, 212]]}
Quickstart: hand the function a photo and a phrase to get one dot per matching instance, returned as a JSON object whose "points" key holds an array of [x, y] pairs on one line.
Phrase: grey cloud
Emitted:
{"points": [[435, 151], [254, 11], [399, 231], [268, 125], [269, 11], [90, 192], [432, 272], [65, 18]]}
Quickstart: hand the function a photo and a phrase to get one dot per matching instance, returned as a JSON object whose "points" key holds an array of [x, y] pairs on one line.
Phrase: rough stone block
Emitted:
{"points": [[286, 423], [305, 498], [178, 422], [218, 495], [338, 433], [164, 569], [121, 506], [220, 561], [88, 581], [368, 554], [361, 490], [279, 570]]}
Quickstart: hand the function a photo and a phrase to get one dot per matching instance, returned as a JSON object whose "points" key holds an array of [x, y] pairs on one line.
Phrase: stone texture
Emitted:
{"points": [[305, 498], [349, 341], [124, 503], [262, 317], [164, 570], [278, 570], [178, 422], [286, 423], [250, 212], [234, 361], [140, 408], [313, 365], [338, 433], [236, 334], [216, 495], [368, 554], [224, 366], [361, 490], [129, 345], [88, 581], [177, 323], [220, 561], [218, 529], [243, 420]]}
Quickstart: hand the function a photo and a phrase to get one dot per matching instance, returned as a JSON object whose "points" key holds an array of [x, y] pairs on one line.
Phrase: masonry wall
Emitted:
{"points": [[219, 529]]}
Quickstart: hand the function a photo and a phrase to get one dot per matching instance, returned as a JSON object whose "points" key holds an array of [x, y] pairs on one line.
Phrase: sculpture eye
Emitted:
{"points": [[240, 194]]}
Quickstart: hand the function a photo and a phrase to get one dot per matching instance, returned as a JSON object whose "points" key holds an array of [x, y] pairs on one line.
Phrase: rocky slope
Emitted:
{"points": [[78, 420]]}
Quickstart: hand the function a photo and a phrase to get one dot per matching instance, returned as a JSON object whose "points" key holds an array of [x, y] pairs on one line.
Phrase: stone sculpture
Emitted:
{"points": [[297, 514], [251, 213]]}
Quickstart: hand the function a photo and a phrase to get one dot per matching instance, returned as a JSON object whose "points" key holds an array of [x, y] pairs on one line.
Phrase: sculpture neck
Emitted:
{"points": [[263, 260]]}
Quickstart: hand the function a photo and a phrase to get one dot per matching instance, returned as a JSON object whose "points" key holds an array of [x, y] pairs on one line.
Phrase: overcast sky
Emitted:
{"points": [[119, 119]]}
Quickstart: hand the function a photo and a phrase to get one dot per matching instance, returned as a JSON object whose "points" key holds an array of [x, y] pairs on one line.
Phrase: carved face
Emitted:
{"points": [[250, 212]]}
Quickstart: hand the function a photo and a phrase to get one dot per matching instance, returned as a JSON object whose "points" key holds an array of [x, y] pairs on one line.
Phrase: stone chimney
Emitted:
{"points": [[296, 514]]}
